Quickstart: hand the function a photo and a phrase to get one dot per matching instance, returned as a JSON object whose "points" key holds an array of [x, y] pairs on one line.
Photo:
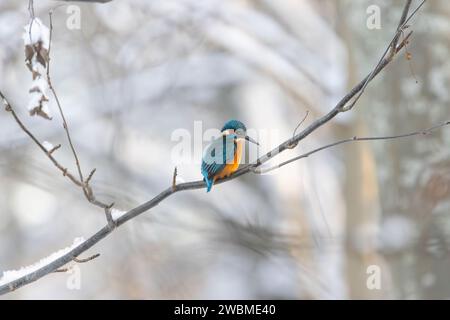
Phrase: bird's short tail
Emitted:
{"points": [[209, 184]]}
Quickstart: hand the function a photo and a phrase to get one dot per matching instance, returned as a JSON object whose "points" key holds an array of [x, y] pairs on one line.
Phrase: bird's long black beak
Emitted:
{"points": [[251, 140]]}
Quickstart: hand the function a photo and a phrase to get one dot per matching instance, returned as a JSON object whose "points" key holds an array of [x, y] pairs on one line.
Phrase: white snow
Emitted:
{"points": [[36, 102], [116, 214], [40, 85], [47, 145], [11, 275], [35, 98], [46, 109], [36, 32]]}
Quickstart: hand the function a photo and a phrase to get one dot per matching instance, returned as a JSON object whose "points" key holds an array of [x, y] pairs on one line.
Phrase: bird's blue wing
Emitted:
{"points": [[217, 155]]}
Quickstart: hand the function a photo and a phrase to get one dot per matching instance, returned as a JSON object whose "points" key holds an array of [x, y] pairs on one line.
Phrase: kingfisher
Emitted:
{"points": [[223, 155]]}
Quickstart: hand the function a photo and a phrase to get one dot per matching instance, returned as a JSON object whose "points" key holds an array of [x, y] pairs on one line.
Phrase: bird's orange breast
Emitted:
{"points": [[232, 167]]}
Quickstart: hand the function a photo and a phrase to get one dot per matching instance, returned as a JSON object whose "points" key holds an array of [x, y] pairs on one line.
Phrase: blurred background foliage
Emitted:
{"points": [[138, 70]]}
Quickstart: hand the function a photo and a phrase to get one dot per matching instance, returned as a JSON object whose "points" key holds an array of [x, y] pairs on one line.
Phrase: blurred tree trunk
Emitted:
{"points": [[363, 216], [413, 173], [361, 184]]}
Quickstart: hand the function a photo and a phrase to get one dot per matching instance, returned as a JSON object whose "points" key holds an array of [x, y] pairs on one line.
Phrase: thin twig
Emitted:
{"points": [[31, 8], [79, 260], [400, 27], [85, 187], [174, 179], [87, 190], [63, 118], [111, 223], [392, 49], [32, 16], [90, 175], [408, 57], [263, 170], [296, 128], [414, 12], [54, 148], [60, 167]]}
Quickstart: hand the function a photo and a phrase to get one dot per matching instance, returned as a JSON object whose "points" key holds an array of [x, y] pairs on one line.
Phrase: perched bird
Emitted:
{"points": [[222, 157]]}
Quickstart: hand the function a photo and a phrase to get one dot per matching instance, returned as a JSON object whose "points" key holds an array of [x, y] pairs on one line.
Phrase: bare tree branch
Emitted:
{"points": [[300, 123], [87, 190], [63, 118], [80, 182], [355, 138], [392, 48], [77, 260], [174, 188], [401, 25], [60, 167], [174, 178]]}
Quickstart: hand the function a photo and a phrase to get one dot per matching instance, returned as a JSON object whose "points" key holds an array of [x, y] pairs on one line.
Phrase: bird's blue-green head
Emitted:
{"points": [[234, 125], [238, 128]]}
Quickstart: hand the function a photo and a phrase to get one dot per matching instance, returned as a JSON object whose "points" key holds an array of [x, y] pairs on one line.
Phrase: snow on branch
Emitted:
{"points": [[36, 38], [38, 41], [11, 275], [116, 214], [37, 34]]}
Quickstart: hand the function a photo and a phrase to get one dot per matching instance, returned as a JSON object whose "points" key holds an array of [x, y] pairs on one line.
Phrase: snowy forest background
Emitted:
{"points": [[137, 70]]}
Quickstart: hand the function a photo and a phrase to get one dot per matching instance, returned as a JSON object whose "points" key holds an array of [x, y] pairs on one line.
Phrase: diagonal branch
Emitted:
{"points": [[391, 48], [401, 25], [60, 167]]}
